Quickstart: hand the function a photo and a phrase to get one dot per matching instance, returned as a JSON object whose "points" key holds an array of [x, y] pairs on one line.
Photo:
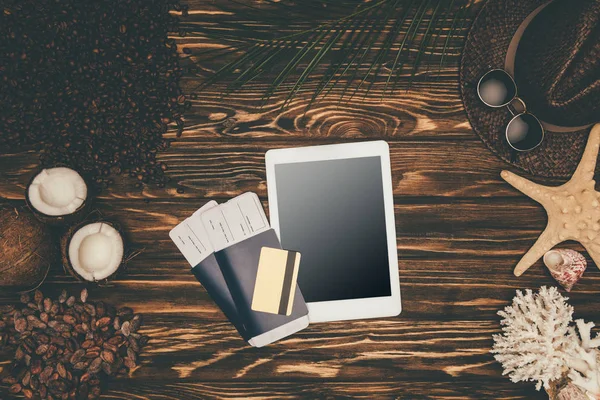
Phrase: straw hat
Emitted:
{"points": [[552, 50]]}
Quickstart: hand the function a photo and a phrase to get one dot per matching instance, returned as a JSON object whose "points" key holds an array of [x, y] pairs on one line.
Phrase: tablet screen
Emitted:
{"points": [[332, 212]]}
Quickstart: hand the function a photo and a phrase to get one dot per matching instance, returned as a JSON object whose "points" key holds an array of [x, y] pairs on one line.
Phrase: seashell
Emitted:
{"points": [[566, 266], [567, 391]]}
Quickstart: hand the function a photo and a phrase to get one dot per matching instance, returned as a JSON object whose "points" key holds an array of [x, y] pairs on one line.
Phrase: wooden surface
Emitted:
{"points": [[461, 230]]}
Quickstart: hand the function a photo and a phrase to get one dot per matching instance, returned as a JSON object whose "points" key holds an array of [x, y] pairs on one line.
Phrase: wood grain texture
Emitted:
{"points": [[460, 229]]}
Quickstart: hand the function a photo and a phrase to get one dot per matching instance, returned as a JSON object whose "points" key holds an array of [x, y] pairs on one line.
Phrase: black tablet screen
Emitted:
{"points": [[332, 212]]}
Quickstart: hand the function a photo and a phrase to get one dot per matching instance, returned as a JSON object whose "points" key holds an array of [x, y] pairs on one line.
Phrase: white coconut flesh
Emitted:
{"points": [[96, 251], [57, 191]]}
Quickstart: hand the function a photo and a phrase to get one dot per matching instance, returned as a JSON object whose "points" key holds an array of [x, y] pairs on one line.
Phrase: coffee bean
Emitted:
{"points": [[102, 111]]}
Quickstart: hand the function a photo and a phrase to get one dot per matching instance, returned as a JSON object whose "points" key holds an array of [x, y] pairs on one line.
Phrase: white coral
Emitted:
{"points": [[583, 359], [535, 327]]}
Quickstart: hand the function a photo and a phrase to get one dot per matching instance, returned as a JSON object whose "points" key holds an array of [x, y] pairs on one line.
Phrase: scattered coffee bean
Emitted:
{"points": [[90, 84]]}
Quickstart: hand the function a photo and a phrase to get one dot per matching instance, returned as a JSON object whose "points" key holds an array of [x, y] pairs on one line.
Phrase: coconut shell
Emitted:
{"points": [[27, 250], [61, 220], [65, 242]]}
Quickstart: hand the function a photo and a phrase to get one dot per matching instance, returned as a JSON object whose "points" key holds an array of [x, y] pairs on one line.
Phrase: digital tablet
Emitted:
{"points": [[334, 204]]}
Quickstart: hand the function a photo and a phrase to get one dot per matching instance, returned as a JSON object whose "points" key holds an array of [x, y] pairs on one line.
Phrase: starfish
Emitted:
{"points": [[573, 208]]}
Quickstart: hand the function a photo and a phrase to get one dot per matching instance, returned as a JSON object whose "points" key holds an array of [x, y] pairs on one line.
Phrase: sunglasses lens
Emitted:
{"points": [[496, 88], [524, 132]]}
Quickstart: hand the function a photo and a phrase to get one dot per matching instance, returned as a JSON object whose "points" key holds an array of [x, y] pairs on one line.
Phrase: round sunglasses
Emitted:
{"points": [[498, 89]]}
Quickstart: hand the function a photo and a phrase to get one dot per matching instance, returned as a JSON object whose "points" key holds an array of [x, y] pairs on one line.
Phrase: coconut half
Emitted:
{"points": [[94, 251], [56, 195]]}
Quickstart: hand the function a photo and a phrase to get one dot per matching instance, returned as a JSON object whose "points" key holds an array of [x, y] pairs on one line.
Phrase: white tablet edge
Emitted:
{"points": [[338, 310], [280, 332]]}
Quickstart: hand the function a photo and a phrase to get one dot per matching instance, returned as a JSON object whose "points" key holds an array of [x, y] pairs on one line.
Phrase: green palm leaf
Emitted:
{"points": [[352, 45]]}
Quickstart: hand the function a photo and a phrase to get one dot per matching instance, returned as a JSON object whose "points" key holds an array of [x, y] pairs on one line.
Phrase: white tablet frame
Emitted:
{"points": [[338, 310]]}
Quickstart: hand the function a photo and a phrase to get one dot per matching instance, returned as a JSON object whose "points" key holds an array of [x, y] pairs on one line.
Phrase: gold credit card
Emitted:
{"points": [[276, 278]]}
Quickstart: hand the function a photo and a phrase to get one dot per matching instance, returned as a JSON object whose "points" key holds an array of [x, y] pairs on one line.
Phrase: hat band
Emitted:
{"points": [[509, 66]]}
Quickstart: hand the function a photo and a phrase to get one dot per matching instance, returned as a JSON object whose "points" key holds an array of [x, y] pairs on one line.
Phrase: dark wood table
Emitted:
{"points": [[460, 228]]}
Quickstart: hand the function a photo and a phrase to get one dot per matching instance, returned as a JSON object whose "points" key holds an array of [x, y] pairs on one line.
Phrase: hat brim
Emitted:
{"points": [[485, 48]]}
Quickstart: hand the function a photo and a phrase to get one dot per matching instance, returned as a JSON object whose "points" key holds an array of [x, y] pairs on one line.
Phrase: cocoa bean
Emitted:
{"points": [[28, 394], [16, 388], [95, 366], [126, 328], [108, 356], [62, 371], [125, 313], [42, 349], [91, 354], [36, 367], [63, 297], [116, 340], [35, 322], [78, 355], [136, 322], [69, 355], [102, 322], [20, 325], [26, 379], [84, 295], [47, 304], [90, 309]]}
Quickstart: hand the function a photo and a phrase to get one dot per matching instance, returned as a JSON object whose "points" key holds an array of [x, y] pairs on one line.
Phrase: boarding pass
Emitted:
{"points": [[234, 221]]}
